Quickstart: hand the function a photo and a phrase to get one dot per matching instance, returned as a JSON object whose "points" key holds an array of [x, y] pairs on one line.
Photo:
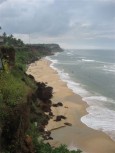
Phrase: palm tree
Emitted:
{"points": [[4, 35], [0, 27]]}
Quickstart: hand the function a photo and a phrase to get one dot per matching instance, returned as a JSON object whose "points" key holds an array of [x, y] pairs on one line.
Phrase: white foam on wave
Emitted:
{"points": [[87, 60], [69, 53], [109, 68], [54, 61], [100, 118], [75, 87], [95, 100]]}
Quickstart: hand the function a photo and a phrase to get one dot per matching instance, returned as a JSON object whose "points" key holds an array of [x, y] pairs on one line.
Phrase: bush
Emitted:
{"points": [[46, 148]]}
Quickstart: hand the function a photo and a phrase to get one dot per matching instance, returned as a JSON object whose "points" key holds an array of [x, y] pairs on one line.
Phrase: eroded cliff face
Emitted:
{"points": [[7, 56], [54, 47], [46, 49]]}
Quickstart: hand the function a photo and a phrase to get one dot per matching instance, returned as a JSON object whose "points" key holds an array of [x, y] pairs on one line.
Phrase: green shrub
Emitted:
{"points": [[46, 148]]}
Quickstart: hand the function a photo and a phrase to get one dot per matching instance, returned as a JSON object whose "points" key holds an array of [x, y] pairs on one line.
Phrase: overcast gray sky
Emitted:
{"points": [[71, 23]]}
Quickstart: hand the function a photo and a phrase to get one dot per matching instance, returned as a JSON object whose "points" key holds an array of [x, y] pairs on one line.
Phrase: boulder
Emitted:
{"points": [[59, 117], [57, 105], [51, 114], [50, 138]]}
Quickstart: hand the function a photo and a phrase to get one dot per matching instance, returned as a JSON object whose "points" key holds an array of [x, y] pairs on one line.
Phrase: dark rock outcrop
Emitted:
{"points": [[8, 55], [44, 92], [59, 117], [57, 105]]}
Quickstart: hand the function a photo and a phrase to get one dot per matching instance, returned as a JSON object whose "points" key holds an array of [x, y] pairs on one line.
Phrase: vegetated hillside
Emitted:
{"points": [[23, 103], [27, 53], [44, 49]]}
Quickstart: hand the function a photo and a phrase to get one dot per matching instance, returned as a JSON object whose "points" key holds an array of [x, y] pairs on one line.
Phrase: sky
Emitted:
{"points": [[71, 23]]}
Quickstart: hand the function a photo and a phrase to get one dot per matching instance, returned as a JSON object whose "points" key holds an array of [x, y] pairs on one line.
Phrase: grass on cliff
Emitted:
{"points": [[26, 56], [22, 57], [14, 87], [13, 90]]}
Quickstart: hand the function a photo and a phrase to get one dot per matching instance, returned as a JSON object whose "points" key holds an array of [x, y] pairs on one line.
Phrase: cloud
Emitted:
{"points": [[85, 25], [1, 1], [64, 21], [41, 16]]}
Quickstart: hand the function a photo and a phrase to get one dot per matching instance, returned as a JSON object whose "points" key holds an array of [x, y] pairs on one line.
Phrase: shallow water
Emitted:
{"points": [[91, 74]]}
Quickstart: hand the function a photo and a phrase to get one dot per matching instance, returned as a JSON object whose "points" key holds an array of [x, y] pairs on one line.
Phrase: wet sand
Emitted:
{"points": [[79, 135]]}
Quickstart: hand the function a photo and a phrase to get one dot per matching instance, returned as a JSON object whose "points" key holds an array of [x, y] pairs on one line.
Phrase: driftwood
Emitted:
{"points": [[68, 124], [58, 128]]}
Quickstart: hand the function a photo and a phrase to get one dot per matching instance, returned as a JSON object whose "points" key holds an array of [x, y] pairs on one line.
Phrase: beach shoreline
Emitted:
{"points": [[83, 137]]}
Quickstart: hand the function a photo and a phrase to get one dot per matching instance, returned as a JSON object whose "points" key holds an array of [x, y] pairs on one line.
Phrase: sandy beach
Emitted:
{"points": [[79, 135]]}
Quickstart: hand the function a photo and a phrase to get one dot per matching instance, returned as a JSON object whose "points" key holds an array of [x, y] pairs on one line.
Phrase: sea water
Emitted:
{"points": [[91, 74]]}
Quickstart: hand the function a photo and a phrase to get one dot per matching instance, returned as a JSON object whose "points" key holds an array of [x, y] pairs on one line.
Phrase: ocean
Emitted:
{"points": [[91, 74]]}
